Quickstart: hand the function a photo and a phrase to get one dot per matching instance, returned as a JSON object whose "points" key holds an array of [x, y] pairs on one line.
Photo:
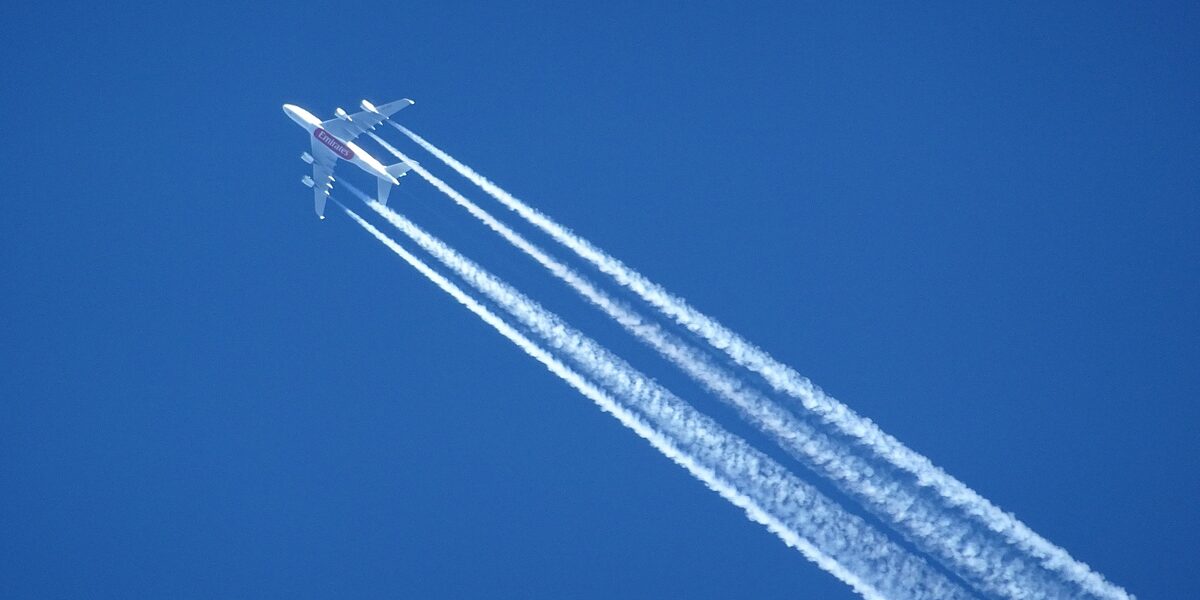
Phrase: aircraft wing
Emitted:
{"points": [[323, 162], [348, 127]]}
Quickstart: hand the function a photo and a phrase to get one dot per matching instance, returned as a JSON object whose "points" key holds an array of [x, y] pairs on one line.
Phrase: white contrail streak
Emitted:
{"points": [[785, 379], [958, 545], [861, 553]]}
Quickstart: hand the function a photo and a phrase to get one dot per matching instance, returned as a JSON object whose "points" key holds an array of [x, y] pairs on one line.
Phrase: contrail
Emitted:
{"points": [[861, 553], [785, 379], [974, 555], [627, 418]]}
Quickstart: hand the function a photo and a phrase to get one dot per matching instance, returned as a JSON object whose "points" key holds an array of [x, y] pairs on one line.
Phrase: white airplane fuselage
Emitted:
{"points": [[347, 151]]}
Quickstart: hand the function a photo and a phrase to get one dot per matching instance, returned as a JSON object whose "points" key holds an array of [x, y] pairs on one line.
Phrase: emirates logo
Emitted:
{"points": [[334, 144]]}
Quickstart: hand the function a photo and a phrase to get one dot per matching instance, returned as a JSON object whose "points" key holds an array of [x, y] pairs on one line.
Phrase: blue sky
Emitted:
{"points": [[976, 226]]}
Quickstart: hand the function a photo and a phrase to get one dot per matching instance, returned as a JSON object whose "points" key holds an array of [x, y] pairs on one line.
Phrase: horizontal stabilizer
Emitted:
{"points": [[383, 190], [399, 169]]}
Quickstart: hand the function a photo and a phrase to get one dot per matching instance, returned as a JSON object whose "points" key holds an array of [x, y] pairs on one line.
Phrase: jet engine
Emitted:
{"points": [[307, 180], [341, 114], [306, 157]]}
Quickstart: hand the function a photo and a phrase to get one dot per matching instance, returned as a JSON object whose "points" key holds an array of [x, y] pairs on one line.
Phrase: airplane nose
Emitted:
{"points": [[294, 112]]}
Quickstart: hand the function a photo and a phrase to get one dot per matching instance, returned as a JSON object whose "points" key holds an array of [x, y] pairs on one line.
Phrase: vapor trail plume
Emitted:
{"points": [[786, 380], [962, 547], [862, 556]]}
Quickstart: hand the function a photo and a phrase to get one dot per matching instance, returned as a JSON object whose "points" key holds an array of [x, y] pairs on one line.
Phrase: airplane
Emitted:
{"points": [[334, 139]]}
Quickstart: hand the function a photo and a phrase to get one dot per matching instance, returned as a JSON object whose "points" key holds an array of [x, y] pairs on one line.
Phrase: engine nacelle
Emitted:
{"points": [[341, 114], [307, 180], [306, 157], [367, 106]]}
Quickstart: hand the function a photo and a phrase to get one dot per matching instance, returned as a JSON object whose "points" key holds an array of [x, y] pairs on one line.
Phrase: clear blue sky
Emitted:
{"points": [[978, 227]]}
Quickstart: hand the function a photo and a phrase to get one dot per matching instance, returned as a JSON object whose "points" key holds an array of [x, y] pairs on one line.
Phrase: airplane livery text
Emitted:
{"points": [[333, 143]]}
